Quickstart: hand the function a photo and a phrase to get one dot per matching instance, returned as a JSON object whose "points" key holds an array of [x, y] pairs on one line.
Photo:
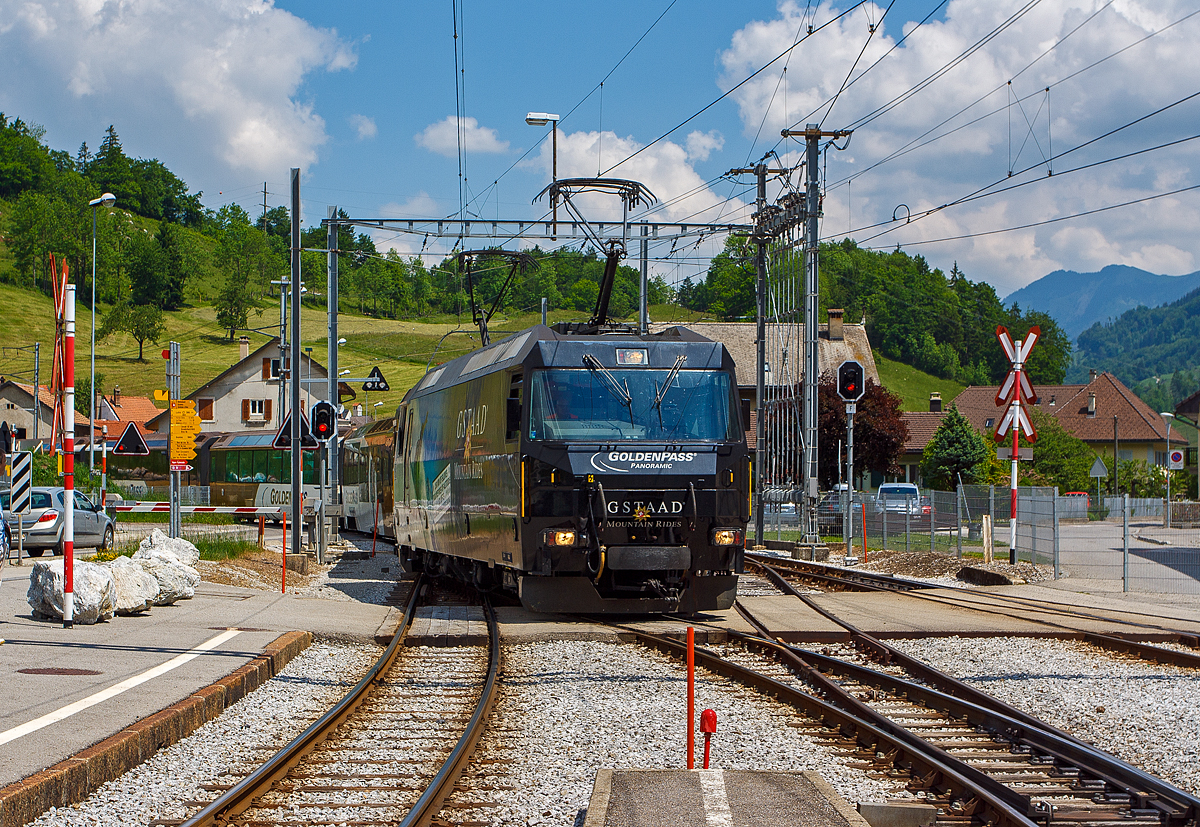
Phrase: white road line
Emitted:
{"points": [[116, 689], [716, 803]]}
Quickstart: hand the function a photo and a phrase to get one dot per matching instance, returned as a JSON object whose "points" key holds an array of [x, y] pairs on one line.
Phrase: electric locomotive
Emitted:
{"points": [[587, 473]]}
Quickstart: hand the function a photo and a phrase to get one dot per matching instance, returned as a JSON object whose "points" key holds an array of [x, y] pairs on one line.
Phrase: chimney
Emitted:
{"points": [[243, 348], [1091, 404], [935, 402], [835, 325], [1092, 375], [116, 396]]}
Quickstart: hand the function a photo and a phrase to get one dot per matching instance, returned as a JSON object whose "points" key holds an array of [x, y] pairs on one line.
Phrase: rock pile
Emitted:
{"points": [[160, 572]]}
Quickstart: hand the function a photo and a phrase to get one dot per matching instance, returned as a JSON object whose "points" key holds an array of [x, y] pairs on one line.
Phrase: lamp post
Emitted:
{"points": [[105, 200], [374, 416], [1168, 416], [541, 119]]}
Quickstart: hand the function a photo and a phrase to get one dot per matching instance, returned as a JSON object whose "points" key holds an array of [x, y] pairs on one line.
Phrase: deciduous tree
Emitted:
{"points": [[957, 451]]}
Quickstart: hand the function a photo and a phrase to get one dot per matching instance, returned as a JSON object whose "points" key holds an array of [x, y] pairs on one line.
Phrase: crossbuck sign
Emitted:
{"points": [[1016, 389]]}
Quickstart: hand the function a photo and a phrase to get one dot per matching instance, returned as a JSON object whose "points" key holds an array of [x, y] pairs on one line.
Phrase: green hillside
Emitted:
{"points": [[914, 386]]}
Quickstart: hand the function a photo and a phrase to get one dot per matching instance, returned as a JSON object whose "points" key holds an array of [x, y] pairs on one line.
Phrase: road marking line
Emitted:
{"points": [[116, 689], [716, 803]]}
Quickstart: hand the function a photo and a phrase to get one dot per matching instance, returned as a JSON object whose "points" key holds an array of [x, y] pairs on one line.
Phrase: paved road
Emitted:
{"points": [[1095, 551]]}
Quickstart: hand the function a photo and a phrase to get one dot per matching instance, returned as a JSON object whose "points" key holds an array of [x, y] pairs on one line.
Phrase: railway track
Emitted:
{"points": [[389, 752], [977, 760], [781, 573]]}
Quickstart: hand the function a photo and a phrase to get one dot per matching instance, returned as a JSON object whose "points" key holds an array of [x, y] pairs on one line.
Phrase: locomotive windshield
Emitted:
{"points": [[607, 404]]}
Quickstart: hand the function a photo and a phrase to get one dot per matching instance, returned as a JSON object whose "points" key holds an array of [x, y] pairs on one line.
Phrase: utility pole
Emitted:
{"points": [[812, 134], [297, 450], [37, 399], [332, 363], [762, 236]]}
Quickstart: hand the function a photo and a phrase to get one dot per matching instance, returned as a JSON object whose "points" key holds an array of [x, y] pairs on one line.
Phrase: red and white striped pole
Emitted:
{"points": [[68, 416], [104, 468], [1016, 458]]}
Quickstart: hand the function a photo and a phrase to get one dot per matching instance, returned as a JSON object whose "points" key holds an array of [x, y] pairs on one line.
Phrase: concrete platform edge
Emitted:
{"points": [[73, 780], [597, 811], [847, 810]]}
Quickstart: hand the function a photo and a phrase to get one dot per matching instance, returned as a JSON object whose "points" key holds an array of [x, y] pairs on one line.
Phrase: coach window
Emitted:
{"points": [[216, 468], [310, 474]]}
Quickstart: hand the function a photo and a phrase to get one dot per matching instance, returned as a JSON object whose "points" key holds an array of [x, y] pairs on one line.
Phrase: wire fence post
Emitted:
{"points": [[992, 512], [1057, 560], [907, 520], [1125, 544], [958, 517], [885, 523], [932, 519]]}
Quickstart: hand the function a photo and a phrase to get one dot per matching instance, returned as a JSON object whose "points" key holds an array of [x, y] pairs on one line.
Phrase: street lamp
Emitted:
{"points": [[541, 119], [1168, 416], [105, 200], [373, 407]]}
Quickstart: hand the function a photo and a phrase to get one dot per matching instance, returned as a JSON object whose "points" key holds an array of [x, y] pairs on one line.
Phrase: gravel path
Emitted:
{"points": [[568, 708], [241, 738], [1144, 713]]}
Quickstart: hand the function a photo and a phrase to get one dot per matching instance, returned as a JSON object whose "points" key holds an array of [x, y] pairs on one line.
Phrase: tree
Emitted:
{"points": [[143, 323], [83, 392], [234, 304], [879, 431], [956, 451]]}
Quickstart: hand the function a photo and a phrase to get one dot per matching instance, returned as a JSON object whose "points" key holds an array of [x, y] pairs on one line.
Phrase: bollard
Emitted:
{"points": [[262, 531], [691, 697], [708, 725]]}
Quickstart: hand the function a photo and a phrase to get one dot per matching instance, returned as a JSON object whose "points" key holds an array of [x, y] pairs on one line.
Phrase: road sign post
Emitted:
{"points": [[20, 494], [1015, 388], [171, 354]]}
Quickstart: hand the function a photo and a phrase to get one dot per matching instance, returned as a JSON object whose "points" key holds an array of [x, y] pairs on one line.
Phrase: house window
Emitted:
{"points": [[204, 407], [990, 422], [1160, 459], [270, 369], [256, 410]]}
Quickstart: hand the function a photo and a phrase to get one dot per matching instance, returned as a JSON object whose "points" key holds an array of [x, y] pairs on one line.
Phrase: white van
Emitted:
{"points": [[898, 497]]}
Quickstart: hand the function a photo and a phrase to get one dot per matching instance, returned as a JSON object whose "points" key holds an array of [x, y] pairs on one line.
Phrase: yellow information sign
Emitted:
{"points": [[185, 427]]}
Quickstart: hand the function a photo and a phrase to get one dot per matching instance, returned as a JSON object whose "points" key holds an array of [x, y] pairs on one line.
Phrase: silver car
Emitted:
{"points": [[43, 525]]}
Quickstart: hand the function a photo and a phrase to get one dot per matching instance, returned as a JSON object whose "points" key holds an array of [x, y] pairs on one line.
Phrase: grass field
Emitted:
{"points": [[914, 386]]}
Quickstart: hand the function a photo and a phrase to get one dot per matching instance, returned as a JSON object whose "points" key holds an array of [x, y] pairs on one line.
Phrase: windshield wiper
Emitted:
{"points": [[610, 382], [662, 392]]}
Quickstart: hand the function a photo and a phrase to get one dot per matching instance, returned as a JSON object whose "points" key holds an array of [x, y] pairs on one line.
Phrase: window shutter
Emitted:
{"points": [[267, 410], [245, 409], [266, 369], [205, 407]]}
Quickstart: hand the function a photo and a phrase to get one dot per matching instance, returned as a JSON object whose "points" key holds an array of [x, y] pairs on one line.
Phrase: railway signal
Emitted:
{"points": [[324, 419], [131, 443], [1015, 390], [375, 381], [283, 439], [851, 385], [851, 380]]}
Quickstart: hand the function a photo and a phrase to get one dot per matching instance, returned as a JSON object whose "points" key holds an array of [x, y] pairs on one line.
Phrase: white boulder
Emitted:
{"points": [[135, 588], [92, 591], [186, 553], [176, 581]]}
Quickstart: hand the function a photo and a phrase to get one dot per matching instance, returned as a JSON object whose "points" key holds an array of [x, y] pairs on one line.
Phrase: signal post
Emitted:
{"points": [[1015, 389], [850, 386]]}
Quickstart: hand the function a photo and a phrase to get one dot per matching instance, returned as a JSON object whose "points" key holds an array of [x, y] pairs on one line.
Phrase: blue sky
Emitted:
{"points": [[231, 93]]}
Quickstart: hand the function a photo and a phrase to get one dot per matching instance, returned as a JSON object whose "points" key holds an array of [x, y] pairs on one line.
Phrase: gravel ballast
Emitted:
{"points": [[1144, 713], [568, 708], [237, 741]]}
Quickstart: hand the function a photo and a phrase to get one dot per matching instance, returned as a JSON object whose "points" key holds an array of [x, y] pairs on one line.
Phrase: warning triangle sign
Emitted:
{"points": [[375, 381], [283, 439], [131, 443]]}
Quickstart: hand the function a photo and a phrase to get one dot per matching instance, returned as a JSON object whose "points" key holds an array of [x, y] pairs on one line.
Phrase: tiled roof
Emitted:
{"points": [[135, 408], [921, 427], [1190, 407], [1136, 421], [47, 399], [116, 427], [738, 338]]}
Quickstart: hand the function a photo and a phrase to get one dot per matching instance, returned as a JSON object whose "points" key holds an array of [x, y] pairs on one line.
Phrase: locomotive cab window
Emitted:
{"points": [[603, 404]]}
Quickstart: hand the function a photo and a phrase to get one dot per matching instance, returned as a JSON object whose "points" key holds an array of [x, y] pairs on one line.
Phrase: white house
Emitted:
{"points": [[246, 397], [17, 409]]}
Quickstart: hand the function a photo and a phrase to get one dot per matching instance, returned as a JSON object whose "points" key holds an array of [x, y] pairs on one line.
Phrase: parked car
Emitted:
{"points": [[43, 525], [898, 497]]}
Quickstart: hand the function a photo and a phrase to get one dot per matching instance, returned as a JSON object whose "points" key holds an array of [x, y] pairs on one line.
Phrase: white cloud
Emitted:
{"points": [[665, 168], [364, 126], [442, 137], [218, 78], [1154, 234], [701, 144]]}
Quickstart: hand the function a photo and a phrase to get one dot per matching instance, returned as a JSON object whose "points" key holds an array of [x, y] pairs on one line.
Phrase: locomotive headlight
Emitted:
{"points": [[560, 537], [726, 536]]}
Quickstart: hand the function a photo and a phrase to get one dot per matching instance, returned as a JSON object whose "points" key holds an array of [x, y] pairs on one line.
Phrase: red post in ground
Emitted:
{"points": [[283, 576], [691, 697], [69, 457], [708, 725], [262, 531]]}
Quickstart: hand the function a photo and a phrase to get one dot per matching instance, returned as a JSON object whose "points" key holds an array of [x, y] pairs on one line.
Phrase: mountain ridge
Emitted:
{"points": [[1079, 300]]}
